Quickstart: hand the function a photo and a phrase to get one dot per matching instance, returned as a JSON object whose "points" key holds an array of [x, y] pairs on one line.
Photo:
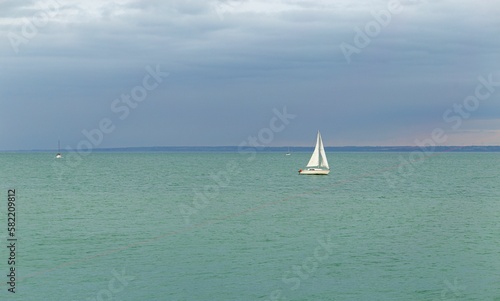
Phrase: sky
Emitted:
{"points": [[135, 73]]}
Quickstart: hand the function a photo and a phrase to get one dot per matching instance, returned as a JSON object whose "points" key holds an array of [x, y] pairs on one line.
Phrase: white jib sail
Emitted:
{"points": [[323, 160]]}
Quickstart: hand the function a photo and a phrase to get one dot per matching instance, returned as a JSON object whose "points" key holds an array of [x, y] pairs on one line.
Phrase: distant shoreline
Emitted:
{"points": [[292, 149]]}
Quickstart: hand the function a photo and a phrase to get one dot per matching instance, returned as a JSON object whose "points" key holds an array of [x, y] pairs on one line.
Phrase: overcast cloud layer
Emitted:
{"points": [[362, 72]]}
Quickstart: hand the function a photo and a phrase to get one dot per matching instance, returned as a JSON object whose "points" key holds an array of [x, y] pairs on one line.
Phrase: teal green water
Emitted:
{"points": [[219, 226]]}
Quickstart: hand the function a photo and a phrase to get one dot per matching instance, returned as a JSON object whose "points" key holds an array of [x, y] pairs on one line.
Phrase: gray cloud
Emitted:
{"points": [[231, 63]]}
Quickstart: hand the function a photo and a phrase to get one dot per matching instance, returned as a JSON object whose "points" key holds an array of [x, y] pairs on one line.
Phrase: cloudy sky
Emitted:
{"points": [[363, 72]]}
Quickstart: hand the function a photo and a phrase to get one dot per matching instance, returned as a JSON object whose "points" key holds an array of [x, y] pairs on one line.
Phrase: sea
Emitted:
{"points": [[246, 226]]}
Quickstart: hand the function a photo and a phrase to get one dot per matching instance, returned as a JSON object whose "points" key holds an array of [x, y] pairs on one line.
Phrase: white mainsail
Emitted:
{"points": [[318, 158]]}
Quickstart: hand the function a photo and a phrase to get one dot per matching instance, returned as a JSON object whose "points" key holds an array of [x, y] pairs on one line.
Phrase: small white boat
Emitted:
{"points": [[288, 153], [58, 155], [318, 164]]}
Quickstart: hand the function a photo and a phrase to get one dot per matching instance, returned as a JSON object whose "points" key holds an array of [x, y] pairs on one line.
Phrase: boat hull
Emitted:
{"points": [[314, 172]]}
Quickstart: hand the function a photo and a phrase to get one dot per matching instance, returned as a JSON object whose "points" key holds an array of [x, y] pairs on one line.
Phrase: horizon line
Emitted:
{"points": [[260, 149]]}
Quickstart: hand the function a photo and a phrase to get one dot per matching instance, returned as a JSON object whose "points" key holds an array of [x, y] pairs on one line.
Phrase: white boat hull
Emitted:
{"points": [[313, 171]]}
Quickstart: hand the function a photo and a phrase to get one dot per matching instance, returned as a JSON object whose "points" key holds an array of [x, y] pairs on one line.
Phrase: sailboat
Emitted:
{"points": [[288, 153], [58, 155], [318, 164]]}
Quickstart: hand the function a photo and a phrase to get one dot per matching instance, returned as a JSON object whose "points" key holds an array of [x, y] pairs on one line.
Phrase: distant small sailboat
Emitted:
{"points": [[288, 153], [58, 155], [318, 164]]}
